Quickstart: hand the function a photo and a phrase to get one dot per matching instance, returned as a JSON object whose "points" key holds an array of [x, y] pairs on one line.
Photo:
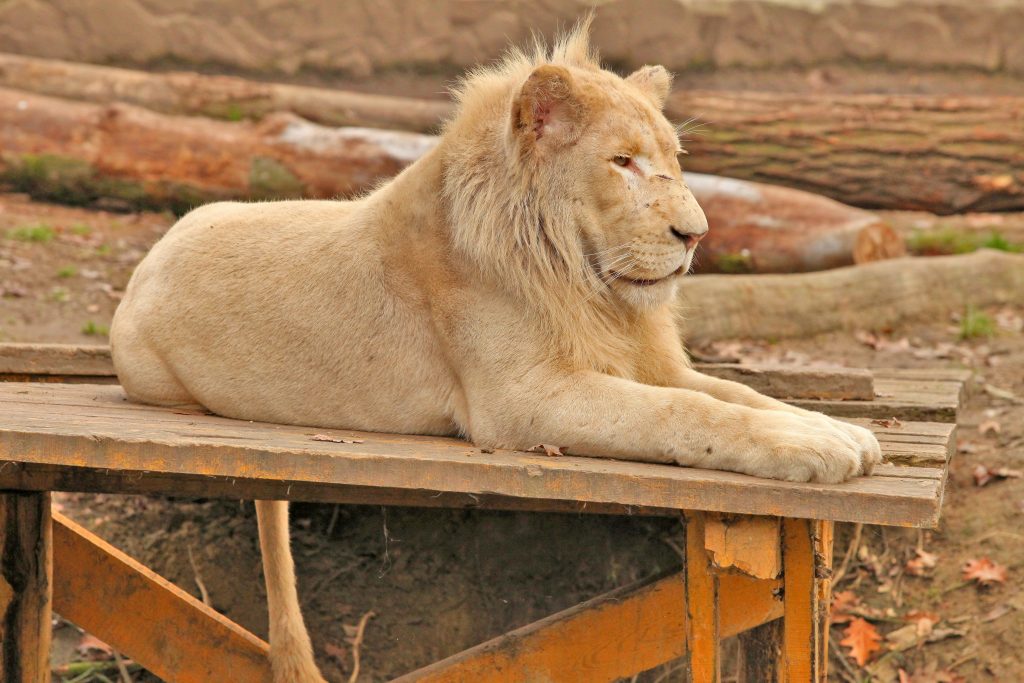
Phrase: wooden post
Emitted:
{"points": [[26, 570], [807, 563], [760, 653], [702, 616]]}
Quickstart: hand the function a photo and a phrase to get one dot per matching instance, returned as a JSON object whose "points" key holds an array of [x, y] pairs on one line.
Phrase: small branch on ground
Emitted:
{"points": [[357, 643], [198, 578]]}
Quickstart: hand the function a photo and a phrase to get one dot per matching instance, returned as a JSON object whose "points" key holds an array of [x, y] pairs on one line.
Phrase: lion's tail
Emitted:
{"points": [[291, 654]]}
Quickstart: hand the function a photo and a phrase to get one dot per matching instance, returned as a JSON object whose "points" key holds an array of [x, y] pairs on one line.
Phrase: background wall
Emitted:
{"points": [[359, 37]]}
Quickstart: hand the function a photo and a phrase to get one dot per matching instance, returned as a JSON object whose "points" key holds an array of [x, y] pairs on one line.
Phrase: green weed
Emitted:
{"points": [[91, 329], [39, 232]]}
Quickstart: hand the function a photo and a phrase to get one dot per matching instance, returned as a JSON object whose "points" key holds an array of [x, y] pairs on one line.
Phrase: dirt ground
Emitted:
{"points": [[439, 581]]}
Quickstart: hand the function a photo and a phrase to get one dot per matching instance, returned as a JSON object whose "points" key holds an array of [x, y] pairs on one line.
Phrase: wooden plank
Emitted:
{"points": [[747, 543], [32, 477], [807, 382], [55, 359], [26, 569], [154, 622], [148, 439], [58, 379], [702, 616], [807, 558], [612, 636], [760, 653]]}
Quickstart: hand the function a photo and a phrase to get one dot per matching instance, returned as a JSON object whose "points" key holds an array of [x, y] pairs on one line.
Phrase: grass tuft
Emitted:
{"points": [[91, 329], [975, 324], [947, 241], [67, 271], [39, 232]]}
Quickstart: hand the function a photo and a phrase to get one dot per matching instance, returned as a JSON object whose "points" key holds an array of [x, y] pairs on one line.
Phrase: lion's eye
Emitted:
{"points": [[622, 160]]}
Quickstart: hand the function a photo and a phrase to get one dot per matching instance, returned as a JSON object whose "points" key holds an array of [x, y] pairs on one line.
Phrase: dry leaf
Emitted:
{"points": [[920, 564], [931, 675], [93, 648], [548, 449], [985, 572], [996, 392], [842, 603], [862, 639], [336, 651], [891, 423], [996, 612], [333, 439], [989, 426], [984, 475]]}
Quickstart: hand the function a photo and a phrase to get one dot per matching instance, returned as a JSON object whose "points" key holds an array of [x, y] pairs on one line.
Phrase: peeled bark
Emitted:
{"points": [[919, 152], [223, 97], [127, 157], [758, 228], [872, 296]]}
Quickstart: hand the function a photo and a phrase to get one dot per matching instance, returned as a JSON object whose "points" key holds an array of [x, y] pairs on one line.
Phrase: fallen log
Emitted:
{"points": [[83, 153], [918, 152], [126, 157], [758, 228], [222, 97], [868, 297], [930, 153]]}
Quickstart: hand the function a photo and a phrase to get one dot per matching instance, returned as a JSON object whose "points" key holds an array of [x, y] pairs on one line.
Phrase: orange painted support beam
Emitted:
{"points": [[807, 561], [149, 619], [612, 636], [702, 617]]}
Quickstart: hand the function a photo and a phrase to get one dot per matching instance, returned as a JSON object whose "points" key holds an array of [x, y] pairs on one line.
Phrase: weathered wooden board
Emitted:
{"points": [[746, 543], [55, 359], [612, 636], [94, 427], [912, 394], [798, 382], [154, 622], [25, 579]]}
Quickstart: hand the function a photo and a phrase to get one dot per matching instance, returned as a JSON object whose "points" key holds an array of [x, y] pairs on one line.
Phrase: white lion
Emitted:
{"points": [[515, 286]]}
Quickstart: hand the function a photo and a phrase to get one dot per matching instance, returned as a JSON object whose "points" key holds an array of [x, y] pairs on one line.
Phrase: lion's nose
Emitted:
{"points": [[688, 237]]}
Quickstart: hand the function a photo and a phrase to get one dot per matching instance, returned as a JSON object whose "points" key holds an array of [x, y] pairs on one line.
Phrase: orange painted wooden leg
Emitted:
{"points": [[807, 566], [702, 619], [26, 575]]}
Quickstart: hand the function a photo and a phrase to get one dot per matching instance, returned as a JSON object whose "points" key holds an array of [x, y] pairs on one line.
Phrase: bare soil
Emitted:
{"points": [[439, 581]]}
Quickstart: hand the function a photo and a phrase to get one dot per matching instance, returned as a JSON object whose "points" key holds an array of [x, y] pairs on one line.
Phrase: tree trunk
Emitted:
{"points": [[868, 297], [919, 152], [223, 97], [938, 154], [757, 228]]}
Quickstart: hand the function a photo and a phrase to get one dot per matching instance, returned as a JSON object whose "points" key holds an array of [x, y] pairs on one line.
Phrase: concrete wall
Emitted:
{"points": [[358, 37]]}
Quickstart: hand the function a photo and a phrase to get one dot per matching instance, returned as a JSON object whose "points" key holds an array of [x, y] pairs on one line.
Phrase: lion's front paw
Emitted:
{"points": [[870, 451], [798, 448]]}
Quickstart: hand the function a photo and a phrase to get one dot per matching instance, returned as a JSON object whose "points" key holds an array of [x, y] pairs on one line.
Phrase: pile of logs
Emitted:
{"points": [[86, 134], [914, 152]]}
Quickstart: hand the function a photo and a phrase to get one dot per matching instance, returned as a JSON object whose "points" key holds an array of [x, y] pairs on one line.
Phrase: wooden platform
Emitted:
{"points": [[757, 552], [114, 445]]}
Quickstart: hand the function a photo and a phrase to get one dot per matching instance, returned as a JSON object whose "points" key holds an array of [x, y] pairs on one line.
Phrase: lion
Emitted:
{"points": [[514, 286]]}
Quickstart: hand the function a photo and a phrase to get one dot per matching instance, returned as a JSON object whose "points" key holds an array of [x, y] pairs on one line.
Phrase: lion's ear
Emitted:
{"points": [[653, 81], [547, 111]]}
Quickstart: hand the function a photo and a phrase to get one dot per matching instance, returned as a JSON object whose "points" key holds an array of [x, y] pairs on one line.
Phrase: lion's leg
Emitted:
{"points": [[291, 654], [600, 415]]}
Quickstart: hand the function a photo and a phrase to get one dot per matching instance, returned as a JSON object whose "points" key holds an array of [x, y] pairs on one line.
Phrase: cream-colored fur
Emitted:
{"points": [[515, 286]]}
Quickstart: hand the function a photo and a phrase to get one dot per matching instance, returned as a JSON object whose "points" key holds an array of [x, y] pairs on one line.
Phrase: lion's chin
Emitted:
{"points": [[649, 294]]}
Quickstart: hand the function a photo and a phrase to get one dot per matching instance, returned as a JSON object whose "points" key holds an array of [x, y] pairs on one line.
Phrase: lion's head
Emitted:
{"points": [[573, 173]]}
